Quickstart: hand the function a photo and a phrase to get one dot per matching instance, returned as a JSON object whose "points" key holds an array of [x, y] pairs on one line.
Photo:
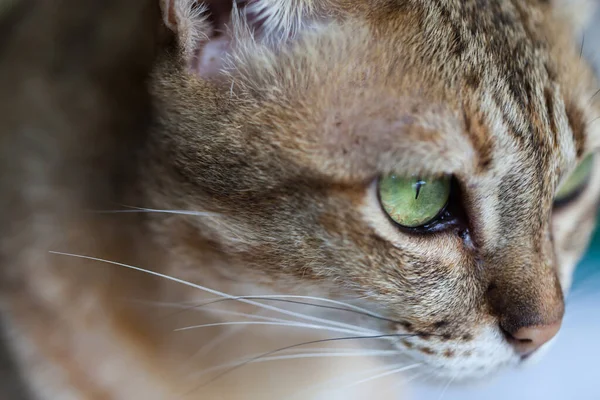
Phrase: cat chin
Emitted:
{"points": [[487, 376], [465, 379], [462, 374], [470, 377]]}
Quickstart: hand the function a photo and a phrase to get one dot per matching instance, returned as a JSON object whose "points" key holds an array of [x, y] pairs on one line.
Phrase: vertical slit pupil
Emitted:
{"points": [[418, 187]]}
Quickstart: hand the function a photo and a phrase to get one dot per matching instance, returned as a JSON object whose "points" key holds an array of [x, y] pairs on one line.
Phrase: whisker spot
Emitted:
{"points": [[448, 353]]}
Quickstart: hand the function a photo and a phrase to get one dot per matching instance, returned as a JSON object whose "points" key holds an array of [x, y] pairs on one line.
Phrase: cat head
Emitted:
{"points": [[434, 159]]}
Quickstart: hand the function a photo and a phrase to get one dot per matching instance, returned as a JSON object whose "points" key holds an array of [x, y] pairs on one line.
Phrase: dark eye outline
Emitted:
{"points": [[451, 216], [574, 195], [578, 191]]}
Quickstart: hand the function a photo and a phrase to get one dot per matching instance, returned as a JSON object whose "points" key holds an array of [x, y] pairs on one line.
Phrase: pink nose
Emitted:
{"points": [[528, 339]]}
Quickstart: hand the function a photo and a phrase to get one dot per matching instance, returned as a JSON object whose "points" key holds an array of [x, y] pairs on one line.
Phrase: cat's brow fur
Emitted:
{"points": [[279, 154]]}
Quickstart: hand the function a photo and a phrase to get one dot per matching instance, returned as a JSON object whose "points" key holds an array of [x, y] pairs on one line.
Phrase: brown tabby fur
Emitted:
{"points": [[278, 156]]}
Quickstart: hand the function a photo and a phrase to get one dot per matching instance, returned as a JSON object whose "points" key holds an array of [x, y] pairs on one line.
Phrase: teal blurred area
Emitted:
{"points": [[588, 271]]}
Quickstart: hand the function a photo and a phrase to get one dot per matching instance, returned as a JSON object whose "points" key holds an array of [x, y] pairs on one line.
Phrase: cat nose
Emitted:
{"points": [[528, 339], [529, 311]]}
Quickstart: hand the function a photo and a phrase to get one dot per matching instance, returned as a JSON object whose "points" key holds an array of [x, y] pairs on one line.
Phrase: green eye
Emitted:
{"points": [[576, 180], [412, 202]]}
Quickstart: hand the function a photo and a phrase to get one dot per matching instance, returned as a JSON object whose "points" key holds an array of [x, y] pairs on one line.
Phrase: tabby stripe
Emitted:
{"points": [[577, 125], [549, 100], [479, 136]]}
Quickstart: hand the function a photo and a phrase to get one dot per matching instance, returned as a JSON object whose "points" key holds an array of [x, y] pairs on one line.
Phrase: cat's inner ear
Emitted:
{"points": [[208, 30], [200, 29]]}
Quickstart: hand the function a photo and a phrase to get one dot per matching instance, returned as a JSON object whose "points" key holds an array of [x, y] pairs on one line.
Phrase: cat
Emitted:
{"points": [[323, 198]]}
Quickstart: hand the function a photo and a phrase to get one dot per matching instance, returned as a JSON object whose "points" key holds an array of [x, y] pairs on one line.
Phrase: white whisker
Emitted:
{"points": [[322, 299], [446, 387], [254, 359], [150, 210], [275, 321], [214, 342], [380, 353], [384, 374], [218, 293], [412, 378], [287, 324], [322, 387], [254, 316], [401, 382], [220, 338], [197, 305], [185, 307], [334, 350]]}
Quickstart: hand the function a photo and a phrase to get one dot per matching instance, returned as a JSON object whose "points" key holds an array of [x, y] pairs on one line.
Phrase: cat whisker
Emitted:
{"points": [[216, 292], [308, 355], [316, 298], [376, 353], [592, 121], [446, 387], [336, 350], [400, 382], [596, 93], [380, 353], [330, 340], [412, 378], [376, 336], [358, 330], [206, 348], [151, 210], [322, 387], [219, 311], [284, 299], [287, 324], [384, 374]]}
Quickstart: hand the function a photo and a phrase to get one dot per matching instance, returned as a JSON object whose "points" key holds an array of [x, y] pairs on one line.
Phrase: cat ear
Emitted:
{"points": [[191, 22], [207, 31]]}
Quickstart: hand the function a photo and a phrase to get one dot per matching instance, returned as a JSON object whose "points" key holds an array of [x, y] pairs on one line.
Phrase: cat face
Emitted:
{"points": [[303, 138]]}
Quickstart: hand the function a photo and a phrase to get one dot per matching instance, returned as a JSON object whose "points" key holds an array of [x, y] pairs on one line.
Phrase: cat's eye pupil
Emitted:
{"points": [[413, 201], [417, 187]]}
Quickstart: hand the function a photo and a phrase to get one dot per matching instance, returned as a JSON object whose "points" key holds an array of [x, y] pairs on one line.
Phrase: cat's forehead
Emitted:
{"points": [[436, 86]]}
